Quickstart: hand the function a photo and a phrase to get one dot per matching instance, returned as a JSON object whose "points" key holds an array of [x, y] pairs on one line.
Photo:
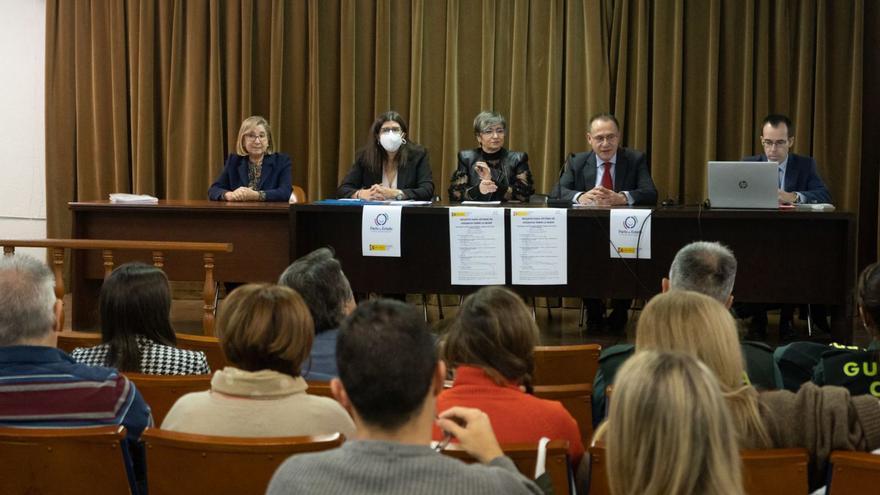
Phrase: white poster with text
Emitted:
{"points": [[476, 246], [380, 230], [630, 233], [538, 246]]}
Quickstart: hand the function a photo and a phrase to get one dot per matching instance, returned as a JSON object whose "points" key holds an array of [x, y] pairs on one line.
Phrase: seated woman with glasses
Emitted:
{"points": [[491, 347], [136, 331], [266, 333], [490, 172], [389, 167], [254, 172]]}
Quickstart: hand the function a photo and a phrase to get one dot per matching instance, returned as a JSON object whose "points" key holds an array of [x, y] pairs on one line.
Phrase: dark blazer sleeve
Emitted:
{"points": [[638, 181], [805, 179], [228, 179], [353, 181], [419, 183], [276, 183], [570, 182]]}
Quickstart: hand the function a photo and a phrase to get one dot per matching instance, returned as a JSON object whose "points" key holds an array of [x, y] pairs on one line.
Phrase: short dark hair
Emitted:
{"points": [[494, 330], [386, 360], [319, 279], [135, 300], [602, 116], [868, 292], [774, 119]]}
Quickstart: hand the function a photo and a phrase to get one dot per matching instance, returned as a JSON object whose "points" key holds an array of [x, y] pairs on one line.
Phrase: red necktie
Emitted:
{"points": [[606, 177]]}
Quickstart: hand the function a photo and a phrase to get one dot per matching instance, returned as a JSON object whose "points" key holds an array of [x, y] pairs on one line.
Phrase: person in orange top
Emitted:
{"points": [[491, 347]]}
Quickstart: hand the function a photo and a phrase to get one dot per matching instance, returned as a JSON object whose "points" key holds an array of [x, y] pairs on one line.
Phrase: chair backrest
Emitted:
{"points": [[577, 400], [208, 344], [770, 471], [188, 463], [854, 473], [565, 364], [86, 460], [320, 388], [68, 340], [773, 471], [524, 456], [161, 391], [300, 194]]}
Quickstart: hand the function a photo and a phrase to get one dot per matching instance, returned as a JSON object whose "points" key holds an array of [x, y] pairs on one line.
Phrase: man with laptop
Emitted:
{"points": [[609, 175], [798, 182]]}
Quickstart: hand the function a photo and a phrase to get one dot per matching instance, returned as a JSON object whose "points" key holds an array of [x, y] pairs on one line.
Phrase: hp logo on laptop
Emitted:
{"points": [[743, 184]]}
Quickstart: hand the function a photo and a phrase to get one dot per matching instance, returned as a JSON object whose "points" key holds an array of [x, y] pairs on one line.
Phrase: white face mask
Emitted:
{"points": [[391, 141]]}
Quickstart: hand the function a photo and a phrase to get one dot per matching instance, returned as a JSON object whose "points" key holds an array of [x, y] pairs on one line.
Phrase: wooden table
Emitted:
{"points": [[258, 231], [787, 256]]}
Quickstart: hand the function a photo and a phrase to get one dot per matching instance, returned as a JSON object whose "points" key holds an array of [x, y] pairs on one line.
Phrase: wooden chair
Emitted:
{"points": [[577, 400], [765, 472], [320, 388], [161, 391], [188, 463], [524, 456], [208, 344], [566, 364], [300, 194], [854, 473], [68, 341], [86, 460]]}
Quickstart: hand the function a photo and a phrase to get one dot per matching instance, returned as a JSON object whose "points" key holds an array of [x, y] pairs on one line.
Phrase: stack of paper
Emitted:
{"points": [[133, 198]]}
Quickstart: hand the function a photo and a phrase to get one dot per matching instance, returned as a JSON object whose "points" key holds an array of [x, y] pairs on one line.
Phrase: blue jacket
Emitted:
{"points": [[274, 178], [801, 177]]}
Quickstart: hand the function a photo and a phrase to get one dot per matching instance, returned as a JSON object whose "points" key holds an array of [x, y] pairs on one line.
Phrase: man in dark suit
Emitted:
{"points": [[798, 183], [798, 180], [606, 176]]}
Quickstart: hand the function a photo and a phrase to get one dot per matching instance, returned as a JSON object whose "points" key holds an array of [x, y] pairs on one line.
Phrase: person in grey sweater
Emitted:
{"points": [[389, 378]]}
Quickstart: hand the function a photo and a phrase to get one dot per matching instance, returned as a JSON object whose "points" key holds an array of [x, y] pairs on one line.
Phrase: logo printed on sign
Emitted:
{"points": [[381, 219], [378, 247], [630, 222], [743, 184]]}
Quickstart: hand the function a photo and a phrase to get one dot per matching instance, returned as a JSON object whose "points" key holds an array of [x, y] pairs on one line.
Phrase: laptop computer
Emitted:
{"points": [[743, 184]]}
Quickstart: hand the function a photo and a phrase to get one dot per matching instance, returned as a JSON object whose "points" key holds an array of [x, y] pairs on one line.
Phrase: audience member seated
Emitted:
{"points": [[389, 377], [491, 348], [319, 279], [708, 268], [669, 430], [255, 172], [135, 308], [819, 419], [266, 333], [43, 386], [491, 172]]}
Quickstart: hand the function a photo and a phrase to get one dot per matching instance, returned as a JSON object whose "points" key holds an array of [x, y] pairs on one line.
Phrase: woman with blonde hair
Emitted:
{"points": [[820, 419], [266, 333], [669, 430]]}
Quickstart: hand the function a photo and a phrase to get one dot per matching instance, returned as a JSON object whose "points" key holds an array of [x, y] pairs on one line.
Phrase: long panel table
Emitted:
{"points": [[786, 256], [258, 231]]}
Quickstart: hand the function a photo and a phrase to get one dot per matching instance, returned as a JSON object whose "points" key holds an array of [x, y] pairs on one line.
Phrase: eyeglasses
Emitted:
{"points": [[386, 130], [610, 138], [497, 131], [779, 143], [254, 137]]}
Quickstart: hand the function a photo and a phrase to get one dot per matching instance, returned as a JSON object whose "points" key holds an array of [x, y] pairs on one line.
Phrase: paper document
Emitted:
{"points": [[630, 233], [538, 246], [476, 246], [380, 230], [476, 203], [133, 198]]}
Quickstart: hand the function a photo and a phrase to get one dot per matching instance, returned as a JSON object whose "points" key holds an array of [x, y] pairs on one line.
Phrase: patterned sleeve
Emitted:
{"points": [[522, 185], [459, 184]]}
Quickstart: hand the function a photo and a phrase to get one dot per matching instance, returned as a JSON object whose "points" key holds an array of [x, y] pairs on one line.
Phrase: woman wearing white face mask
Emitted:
{"points": [[389, 167]]}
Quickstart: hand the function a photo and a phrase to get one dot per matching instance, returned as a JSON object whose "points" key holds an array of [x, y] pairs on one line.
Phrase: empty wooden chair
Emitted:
{"points": [[188, 463], [208, 344], [576, 398], [524, 456], [565, 364], [161, 391], [73, 461], [300, 193], [854, 473], [770, 471], [320, 388], [68, 340]]}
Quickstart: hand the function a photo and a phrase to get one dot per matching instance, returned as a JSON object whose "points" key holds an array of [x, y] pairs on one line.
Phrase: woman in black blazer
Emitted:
{"points": [[389, 167], [254, 172]]}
